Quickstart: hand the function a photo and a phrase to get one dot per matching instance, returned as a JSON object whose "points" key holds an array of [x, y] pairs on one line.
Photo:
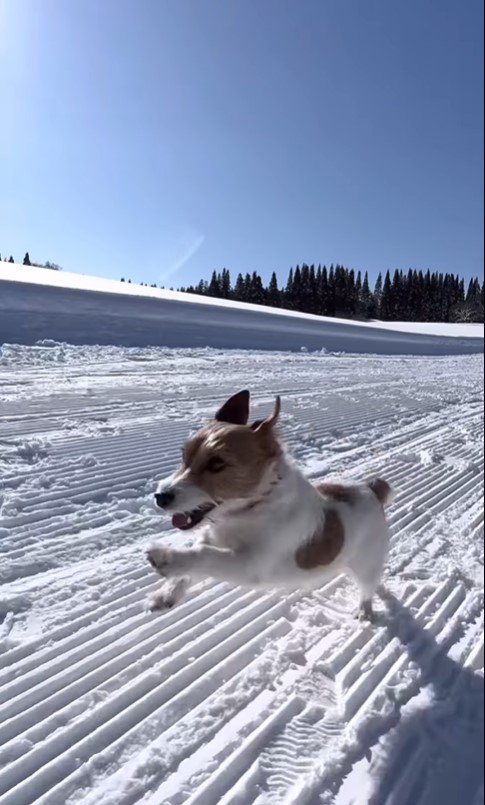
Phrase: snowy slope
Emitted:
{"points": [[37, 303], [235, 696]]}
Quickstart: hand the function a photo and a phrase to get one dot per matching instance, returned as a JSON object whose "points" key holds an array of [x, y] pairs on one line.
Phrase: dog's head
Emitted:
{"points": [[225, 461]]}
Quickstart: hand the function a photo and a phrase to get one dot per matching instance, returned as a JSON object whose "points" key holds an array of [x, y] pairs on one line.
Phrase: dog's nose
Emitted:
{"points": [[163, 499]]}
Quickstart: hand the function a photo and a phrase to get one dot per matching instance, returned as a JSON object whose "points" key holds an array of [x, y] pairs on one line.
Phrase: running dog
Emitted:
{"points": [[264, 524]]}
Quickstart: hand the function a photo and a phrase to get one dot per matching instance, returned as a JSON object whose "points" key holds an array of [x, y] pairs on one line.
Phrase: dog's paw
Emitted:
{"points": [[166, 561], [160, 559], [365, 613], [169, 594]]}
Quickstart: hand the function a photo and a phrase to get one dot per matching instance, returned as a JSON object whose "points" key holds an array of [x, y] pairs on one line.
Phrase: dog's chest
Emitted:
{"points": [[263, 532], [232, 536]]}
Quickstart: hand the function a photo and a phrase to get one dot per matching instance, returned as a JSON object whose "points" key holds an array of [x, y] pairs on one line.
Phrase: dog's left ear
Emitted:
{"points": [[235, 410], [267, 424]]}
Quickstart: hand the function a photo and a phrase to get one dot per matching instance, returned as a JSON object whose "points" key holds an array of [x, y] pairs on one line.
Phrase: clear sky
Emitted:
{"points": [[160, 139]]}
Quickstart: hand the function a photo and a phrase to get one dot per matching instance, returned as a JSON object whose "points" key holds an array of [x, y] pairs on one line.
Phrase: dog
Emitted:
{"points": [[263, 523]]}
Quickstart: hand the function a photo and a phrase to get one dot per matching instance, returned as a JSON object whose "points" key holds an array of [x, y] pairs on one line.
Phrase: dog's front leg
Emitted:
{"points": [[203, 562]]}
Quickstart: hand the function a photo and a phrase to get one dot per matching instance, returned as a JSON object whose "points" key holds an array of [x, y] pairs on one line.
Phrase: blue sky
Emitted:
{"points": [[160, 139]]}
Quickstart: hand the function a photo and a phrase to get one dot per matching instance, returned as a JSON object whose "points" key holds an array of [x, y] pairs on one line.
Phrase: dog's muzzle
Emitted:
{"points": [[164, 499]]}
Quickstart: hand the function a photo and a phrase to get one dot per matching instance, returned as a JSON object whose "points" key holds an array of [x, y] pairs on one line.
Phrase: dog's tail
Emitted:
{"points": [[382, 490]]}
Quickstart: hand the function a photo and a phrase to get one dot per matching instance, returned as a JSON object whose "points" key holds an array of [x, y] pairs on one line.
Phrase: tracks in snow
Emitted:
{"points": [[234, 696]]}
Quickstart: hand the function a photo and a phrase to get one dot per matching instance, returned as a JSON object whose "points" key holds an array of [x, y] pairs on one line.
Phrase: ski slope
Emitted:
{"points": [[36, 303], [235, 696]]}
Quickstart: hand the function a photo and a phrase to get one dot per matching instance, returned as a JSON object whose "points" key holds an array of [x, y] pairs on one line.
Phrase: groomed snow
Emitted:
{"points": [[37, 303], [235, 696]]}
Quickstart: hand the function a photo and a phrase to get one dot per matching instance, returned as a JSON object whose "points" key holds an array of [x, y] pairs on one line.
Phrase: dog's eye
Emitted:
{"points": [[215, 464]]}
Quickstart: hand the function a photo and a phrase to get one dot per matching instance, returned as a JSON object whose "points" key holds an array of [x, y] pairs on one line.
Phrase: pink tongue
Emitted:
{"points": [[179, 521]]}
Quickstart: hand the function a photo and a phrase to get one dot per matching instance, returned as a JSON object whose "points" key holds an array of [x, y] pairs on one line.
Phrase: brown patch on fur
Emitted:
{"points": [[325, 545], [381, 490], [338, 492], [243, 455]]}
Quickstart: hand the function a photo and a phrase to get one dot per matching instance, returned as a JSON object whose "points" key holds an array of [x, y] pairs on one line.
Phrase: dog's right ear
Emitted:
{"points": [[236, 410]]}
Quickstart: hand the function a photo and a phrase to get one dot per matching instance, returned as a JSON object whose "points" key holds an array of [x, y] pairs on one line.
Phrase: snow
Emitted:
{"points": [[38, 304], [234, 696]]}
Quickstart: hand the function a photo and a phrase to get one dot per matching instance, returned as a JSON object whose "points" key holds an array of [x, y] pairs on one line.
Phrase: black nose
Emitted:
{"points": [[164, 498]]}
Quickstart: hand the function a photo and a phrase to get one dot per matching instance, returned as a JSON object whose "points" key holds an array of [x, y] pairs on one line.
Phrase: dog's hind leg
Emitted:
{"points": [[367, 573]]}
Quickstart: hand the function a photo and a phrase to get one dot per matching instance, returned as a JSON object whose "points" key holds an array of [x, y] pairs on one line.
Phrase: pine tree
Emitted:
{"points": [[305, 296], [295, 300], [11, 260], [331, 292], [358, 295], [313, 290], [239, 288], [397, 297], [324, 294], [225, 284], [288, 292], [351, 298], [340, 291], [27, 260], [412, 301], [378, 295], [367, 301], [387, 306], [247, 288], [274, 296], [214, 285], [257, 293]]}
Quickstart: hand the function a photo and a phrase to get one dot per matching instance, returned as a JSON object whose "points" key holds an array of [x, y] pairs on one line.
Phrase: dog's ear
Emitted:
{"points": [[266, 425], [236, 410]]}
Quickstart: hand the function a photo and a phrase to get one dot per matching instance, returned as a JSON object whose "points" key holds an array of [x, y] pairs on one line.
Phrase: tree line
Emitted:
{"points": [[27, 262], [343, 292]]}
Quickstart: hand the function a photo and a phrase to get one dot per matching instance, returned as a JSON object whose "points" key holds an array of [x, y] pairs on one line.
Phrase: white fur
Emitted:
{"points": [[255, 546]]}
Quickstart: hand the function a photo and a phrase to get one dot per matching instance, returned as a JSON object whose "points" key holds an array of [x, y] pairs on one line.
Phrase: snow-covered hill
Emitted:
{"points": [[37, 303], [235, 696]]}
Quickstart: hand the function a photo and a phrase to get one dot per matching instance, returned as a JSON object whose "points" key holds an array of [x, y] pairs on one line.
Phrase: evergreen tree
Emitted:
{"points": [[274, 296], [239, 288], [397, 297], [351, 295], [247, 288], [313, 290], [340, 287], [358, 295], [214, 285], [378, 294], [332, 305], [387, 305], [288, 292], [257, 293], [324, 294], [305, 296], [367, 301], [295, 298], [27, 260], [11, 260], [225, 284]]}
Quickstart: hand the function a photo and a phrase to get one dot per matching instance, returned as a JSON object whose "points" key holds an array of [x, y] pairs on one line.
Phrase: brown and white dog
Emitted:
{"points": [[265, 524]]}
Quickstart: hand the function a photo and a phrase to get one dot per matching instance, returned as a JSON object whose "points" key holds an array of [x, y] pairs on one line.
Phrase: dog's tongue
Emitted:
{"points": [[180, 521]]}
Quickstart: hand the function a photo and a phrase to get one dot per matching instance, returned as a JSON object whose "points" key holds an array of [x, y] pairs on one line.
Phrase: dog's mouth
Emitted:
{"points": [[186, 520]]}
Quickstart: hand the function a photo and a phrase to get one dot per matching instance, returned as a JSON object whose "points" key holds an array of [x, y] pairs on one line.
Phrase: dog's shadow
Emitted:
{"points": [[434, 755]]}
